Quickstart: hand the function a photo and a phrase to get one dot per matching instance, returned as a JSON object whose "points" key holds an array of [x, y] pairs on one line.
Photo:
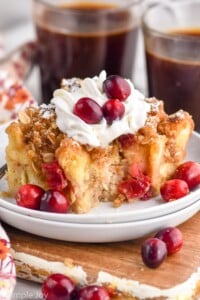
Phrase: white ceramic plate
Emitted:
{"points": [[105, 212], [96, 233]]}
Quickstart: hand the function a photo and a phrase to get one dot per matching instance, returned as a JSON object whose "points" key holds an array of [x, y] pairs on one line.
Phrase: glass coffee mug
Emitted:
{"points": [[172, 42], [82, 38]]}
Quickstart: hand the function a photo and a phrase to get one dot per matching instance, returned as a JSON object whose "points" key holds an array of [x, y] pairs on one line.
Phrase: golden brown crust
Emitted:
{"points": [[93, 174], [32, 141]]}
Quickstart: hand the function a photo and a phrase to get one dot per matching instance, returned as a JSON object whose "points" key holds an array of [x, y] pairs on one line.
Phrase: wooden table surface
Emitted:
{"points": [[119, 259]]}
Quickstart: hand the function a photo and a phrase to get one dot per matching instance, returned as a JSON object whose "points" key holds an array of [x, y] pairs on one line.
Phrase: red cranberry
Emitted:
{"points": [[148, 195], [93, 292], [88, 110], [116, 87], [126, 140], [54, 201], [174, 189], [55, 176], [172, 237], [113, 110], [58, 287], [29, 196], [134, 188], [138, 186], [153, 252], [189, 172]]}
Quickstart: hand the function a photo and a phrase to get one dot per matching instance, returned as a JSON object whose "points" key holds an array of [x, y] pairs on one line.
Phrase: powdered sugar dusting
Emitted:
{"points": [[47, 111], [178, 115], [154, 104], [71, 85]]}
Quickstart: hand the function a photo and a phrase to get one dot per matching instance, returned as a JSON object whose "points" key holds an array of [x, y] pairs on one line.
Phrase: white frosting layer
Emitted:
{"points": [[102, 134], [24, 260], [183, 291]]}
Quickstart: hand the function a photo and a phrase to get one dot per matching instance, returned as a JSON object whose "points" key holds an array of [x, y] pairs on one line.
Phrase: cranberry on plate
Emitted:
{"points": [[189, 172], [29, 196], [54, 201], [174, 189]]}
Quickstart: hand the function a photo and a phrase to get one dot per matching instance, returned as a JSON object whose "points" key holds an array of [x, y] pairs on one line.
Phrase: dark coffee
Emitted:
{"points": [[80, 54], [175, 80]]}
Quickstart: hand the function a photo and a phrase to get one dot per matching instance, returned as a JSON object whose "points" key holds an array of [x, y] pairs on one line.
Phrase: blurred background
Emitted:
{"points": [[13, 12], [16, 27], [15, 21]]}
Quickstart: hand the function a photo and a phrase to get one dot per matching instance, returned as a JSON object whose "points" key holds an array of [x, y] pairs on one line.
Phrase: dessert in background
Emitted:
{"points": [[99, 140], [14, 97]]}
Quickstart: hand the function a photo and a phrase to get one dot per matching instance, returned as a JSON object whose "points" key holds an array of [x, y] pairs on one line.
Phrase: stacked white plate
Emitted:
{"points": [[104, 223]]}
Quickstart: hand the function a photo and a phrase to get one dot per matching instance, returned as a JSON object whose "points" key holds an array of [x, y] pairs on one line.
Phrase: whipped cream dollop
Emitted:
{"points": [[102, 134]]}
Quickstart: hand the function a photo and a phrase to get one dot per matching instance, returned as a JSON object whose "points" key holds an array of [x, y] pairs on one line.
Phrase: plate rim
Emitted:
{"points": [[106, 225], [98, 233], [109, 217]]}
